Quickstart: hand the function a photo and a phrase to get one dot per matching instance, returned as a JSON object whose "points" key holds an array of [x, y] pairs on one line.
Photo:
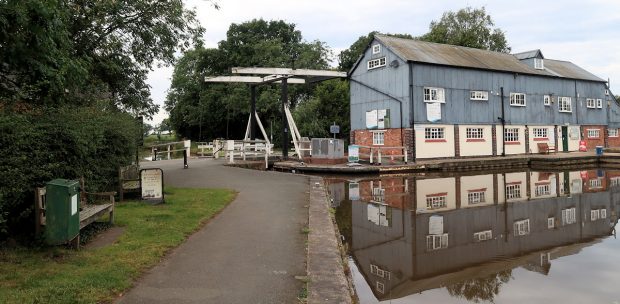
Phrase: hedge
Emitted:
{"points": [[60, 143]]}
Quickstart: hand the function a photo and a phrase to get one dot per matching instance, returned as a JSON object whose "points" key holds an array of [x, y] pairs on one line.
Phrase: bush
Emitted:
{"points": [[62, 143]]}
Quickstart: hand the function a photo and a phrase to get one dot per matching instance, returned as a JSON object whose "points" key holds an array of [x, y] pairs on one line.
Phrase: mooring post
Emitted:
{"points": [[185, 165]]}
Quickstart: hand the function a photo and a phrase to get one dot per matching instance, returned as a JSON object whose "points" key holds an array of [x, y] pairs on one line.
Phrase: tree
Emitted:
{"points": [[329, 104], [348, 57], [201, 110], [81, 52], [483, 289], [468, 27]]}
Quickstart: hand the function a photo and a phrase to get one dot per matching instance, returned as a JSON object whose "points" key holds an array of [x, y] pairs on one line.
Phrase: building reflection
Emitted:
{"points": [[466, 233]]}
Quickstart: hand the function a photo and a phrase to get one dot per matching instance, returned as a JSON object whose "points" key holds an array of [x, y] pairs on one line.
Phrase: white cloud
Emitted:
{"points": [[584, 32]]}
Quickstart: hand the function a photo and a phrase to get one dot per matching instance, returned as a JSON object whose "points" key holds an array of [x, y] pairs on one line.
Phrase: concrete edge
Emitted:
{"points": [[327, 280]]}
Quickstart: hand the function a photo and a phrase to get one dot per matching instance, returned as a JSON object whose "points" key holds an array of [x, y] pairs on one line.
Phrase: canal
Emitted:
{"points": [[503, 237]]}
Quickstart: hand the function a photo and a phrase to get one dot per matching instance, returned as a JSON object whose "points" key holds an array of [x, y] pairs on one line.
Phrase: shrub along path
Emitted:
{"points": [[250, 253]]}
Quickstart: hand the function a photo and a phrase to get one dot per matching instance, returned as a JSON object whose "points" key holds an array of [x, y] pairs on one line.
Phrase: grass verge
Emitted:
{"points": [[59, 275]]}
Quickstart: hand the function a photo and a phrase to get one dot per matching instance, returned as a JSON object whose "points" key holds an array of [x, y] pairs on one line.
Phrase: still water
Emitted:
{"points": [[504, 237]]}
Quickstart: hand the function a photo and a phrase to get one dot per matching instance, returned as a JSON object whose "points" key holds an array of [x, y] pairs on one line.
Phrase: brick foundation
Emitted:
{"points": [[591, 143], [613, 142], [392, 138]]}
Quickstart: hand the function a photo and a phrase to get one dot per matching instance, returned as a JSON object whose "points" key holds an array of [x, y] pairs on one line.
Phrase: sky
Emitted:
{"points": [[585, 32]]}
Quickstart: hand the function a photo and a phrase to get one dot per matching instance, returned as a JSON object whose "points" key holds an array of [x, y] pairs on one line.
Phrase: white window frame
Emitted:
{"points": [[378, 138], [522, 227], [606, 92], [518, 99], [595, 214], [436, 241], [539, 64], [603, 213], [434, 94], [376, 63], [542, 189], [612, 134], [436, 202], [434, 133], [476, 197], [380, 287], [479, 95], [568, 216], [511, 134], [550, 222], [590, 103], [565, 104], [594, 133], [614, 181], [513, 191], [474, 133], [376, 49], [595, 183], [599, 103], [540, 133], [482, 236], [547, 100]]}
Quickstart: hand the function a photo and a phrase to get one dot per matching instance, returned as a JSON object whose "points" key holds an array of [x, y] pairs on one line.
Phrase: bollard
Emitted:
{"points": [[185, 165], [154, 154]]}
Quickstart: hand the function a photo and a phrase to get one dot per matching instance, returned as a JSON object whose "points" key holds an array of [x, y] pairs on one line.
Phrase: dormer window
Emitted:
{"points": [[539, 64], [376, 49]]}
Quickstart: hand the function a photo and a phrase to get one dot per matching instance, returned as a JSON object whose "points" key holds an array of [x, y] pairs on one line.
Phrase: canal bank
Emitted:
{"points": [[533, 161]]}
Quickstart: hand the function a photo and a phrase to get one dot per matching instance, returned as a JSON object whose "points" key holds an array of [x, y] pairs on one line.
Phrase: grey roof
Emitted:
{"points": [[529, 54], [458, 56]]}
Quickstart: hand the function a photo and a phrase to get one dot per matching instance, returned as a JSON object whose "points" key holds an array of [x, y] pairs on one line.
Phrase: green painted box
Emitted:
{"points": [[62, 211]]}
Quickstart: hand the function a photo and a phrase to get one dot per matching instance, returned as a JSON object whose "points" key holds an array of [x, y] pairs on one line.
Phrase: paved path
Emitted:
{"points": [[250, 253]]}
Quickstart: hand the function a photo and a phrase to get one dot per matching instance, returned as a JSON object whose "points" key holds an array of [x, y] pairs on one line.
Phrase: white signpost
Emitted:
{"points": [[152, 182]]}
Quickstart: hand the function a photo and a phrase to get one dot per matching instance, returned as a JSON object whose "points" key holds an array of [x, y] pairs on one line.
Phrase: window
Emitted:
{"points": [[522, 227], [376, 63], [539, 64], [594, 133], [483, 236], [517, 99], [378, 195], [513, 191], [475, 197], [606, 92], [595, 215], [591, 103], [568, 216], [434, 95], [433, 133], [436, 242], [380, 287], [547, 100], [541, 190], [376, 49], [612, 132], [378, 138], [599, 103], [596, 183], [479, 95], [474, 133], [564, 104], [374, 269], [539, 133], [550, 222], [603, 213], [511, 135], [436, 202]]}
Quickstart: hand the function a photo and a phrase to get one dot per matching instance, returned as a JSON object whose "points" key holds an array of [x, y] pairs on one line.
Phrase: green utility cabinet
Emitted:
{"points": [[62, 211]]}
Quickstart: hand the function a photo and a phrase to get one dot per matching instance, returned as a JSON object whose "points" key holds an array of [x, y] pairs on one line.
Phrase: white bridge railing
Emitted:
{"points": [[244, 149], [168, 148], [376, 155]]}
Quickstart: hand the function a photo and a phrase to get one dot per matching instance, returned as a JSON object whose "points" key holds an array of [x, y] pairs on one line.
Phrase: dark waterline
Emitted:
{"points": [[503, 237]]}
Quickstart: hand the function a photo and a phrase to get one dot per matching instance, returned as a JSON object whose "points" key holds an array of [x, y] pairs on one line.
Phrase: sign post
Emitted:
{"points": [[334, 129], [152, 184]]}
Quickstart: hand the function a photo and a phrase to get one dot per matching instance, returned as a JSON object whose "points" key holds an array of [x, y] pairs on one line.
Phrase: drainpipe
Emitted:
{"points": [[411, 118], [576, 103], [503, 120]]}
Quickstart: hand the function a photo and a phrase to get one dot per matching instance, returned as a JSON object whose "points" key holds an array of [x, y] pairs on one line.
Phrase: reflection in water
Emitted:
{"points": [[480, 289], [468, 233]]}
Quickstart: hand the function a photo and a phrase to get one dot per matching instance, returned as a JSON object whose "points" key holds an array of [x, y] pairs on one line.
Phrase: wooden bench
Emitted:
{"points": [[545, 148], [128, 180], [90, 211]]}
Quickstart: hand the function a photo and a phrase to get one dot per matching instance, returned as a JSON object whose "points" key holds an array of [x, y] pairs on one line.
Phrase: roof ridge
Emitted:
{"points": [[446, 44]]}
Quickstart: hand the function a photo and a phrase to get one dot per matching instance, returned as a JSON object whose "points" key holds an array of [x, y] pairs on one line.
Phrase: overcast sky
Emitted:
{"points": [[585, 32]]}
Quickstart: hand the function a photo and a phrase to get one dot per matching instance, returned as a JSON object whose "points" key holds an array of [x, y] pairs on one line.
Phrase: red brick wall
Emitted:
{"points": [[392, 138], [613, 142], [394, 191], [591, 143]]}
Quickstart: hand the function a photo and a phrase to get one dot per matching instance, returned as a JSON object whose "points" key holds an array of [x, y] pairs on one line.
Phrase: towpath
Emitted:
{"points": [[250, 253]]}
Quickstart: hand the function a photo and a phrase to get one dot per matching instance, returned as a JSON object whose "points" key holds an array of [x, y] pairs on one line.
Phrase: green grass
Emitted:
{"points": [[60, 275]]}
